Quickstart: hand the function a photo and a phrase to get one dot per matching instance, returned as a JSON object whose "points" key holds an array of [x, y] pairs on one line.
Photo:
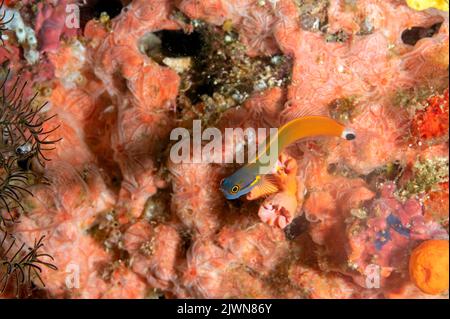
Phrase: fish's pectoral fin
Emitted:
{"points": [[267, 185]]}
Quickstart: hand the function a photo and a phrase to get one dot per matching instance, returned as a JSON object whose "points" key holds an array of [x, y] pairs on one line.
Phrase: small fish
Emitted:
{"points": [[248, 178]]}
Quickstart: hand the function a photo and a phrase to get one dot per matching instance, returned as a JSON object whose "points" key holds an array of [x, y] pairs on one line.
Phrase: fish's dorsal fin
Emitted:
{"points": [[268, 184], [292, 113]]}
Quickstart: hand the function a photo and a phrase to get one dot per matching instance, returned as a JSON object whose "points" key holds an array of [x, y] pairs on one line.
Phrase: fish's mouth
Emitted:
{"points": [[224, 189]]}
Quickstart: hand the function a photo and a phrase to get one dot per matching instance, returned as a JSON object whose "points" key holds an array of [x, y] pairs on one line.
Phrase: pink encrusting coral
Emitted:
{"points": [[156, 252], [143, 96], [65, 210], [124, 220], [51, 24], [280, 209]]}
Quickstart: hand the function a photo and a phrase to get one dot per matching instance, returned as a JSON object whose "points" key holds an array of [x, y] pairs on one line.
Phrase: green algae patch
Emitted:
{"points": [[427, 175]]}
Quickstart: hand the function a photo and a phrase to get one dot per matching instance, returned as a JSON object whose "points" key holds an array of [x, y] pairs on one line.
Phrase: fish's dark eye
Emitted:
{"points": [[350, 136], [235, 189]]}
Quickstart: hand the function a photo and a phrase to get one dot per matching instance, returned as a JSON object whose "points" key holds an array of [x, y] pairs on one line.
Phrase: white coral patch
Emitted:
{"points": [[71, 74], [24, 34]]}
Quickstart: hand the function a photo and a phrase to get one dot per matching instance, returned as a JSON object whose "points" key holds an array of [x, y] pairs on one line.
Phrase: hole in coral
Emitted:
{"points": [[186, 240], [24, 164], [120, 83], [94, 8], [179, 44], [412, 35], [389, 172], [298, 226], [205, 88]]}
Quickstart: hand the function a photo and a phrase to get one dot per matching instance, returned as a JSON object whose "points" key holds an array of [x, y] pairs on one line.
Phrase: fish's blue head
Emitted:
{"points": [[238, 184]]}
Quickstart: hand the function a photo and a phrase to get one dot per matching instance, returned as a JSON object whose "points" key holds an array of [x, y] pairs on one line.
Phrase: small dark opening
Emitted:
{"points": [[298, 226], [413, 35], [179, 44], [25, 164], [94, 8], [205, 88]]}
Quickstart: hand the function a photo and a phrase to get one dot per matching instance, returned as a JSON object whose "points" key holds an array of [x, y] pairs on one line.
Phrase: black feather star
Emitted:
{"points": [[3, 21], [20, 267], [13, 184], [22, 138], [21, 124]]}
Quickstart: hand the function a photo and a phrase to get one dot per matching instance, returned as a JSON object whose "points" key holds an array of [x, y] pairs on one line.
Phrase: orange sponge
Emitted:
{"points": [[428, 266]]}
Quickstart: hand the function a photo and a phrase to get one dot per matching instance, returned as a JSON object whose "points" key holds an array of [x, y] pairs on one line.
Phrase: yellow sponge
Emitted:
{"points": [[426, 4]]}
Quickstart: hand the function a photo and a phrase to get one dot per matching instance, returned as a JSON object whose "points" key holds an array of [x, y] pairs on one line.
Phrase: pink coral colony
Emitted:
{"points": [[118, 76]]}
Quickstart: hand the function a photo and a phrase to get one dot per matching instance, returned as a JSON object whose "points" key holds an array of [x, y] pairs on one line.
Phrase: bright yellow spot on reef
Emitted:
{"points": [[426, 4], [227, 25], [428, 266]]}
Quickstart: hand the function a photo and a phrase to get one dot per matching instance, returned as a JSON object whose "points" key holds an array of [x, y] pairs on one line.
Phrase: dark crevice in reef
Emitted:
{"points": [[25, 164], [223, 76], [177, 43], [219, 74], [298, 227], [390, 172], [94, 8], [412, 35]]}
